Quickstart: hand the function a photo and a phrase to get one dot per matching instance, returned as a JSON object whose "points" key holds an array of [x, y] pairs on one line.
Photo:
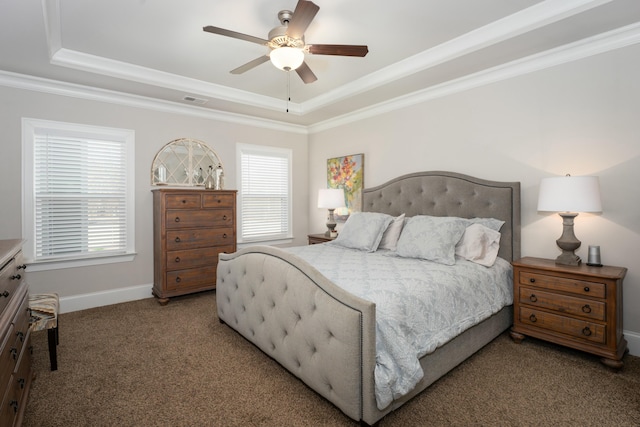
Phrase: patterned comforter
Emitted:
{"points": [[420, 305]]}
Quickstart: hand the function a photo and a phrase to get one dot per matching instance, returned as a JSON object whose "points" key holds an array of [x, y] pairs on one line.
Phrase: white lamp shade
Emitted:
{"points": [[570, 194], [331, 198], [287, 58]]}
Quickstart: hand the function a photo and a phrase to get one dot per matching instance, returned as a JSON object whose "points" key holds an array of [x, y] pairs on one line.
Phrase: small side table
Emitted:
{"points": [[318, 238], [576, 306]]}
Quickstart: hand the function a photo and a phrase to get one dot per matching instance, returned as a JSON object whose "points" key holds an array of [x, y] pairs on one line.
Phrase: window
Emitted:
{"points": [[264, 174], [78, 186]]}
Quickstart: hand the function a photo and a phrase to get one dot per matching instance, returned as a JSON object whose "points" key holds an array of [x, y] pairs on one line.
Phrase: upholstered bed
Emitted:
{"points": [[325, 335]]}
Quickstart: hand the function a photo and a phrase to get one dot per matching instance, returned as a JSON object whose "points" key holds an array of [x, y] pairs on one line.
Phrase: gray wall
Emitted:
{"points": [[581, 118], [152, 129]]}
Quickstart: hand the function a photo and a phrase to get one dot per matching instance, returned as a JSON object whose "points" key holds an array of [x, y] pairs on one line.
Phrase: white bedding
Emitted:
{"points": [[420, 305]]}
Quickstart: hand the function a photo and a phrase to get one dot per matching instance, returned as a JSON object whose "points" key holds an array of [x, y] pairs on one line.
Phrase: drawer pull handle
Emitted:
{"points": [[14, 353], [21, 381], [177, 240], [177, 219], [177, 259], [184, 201], [533, 298], [224, 236], [586, 308], [23, 266], [219, 200], [586, 289], [533, 318], [224, 217], [532, 280], [586, 331], [178, 279], [16, 277], [20, 336], [14, 405], [5, 294]]}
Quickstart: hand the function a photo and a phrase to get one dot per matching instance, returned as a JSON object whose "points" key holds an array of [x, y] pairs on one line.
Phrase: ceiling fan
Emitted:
{"points": [[286, 43]]}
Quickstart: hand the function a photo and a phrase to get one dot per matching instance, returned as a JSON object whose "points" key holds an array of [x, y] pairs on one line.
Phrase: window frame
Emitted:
{"points": [[30, 128], [242, 148]]}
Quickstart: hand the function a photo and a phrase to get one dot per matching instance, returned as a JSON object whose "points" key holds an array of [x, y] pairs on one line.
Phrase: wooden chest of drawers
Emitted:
{"points": [[15, 347], [191, 227], [577, 306]]}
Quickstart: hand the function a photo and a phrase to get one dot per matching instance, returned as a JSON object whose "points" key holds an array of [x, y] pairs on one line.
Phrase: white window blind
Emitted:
{"points": [[80, 195], [265, 193]]}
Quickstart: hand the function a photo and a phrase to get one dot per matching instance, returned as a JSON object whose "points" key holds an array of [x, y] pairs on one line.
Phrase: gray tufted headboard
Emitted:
{"points": [[439, 193]]}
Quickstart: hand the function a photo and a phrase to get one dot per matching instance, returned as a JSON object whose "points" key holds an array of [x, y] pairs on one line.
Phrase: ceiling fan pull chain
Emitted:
{"points": [[288, 88]]}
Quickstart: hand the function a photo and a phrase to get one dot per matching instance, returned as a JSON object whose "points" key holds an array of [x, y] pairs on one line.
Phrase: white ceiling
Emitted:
{"points": [[157, 49]]}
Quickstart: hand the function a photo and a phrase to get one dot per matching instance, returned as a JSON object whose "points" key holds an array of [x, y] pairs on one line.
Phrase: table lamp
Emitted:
{"points": [[568, 195], [331, 198]]}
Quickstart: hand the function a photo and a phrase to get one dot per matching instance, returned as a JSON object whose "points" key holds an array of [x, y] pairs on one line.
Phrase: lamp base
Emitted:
{"points": [[331, 225], [568, 241]]}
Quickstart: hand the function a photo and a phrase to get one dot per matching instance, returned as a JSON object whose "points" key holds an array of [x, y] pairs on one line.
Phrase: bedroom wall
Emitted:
{"points": [[580, 118], [115, 282]]}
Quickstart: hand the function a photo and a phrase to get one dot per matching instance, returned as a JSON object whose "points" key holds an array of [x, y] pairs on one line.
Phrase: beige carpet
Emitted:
{"points": [[141, 364]]}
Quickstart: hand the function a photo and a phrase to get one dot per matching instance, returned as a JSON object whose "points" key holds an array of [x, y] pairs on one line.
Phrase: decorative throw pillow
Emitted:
{"points": [[392, 233], [363, 231], [479, 244], [432, 238]]}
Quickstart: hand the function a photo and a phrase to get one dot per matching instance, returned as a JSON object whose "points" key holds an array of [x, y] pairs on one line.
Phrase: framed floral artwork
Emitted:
{"points": [[347, 172]]}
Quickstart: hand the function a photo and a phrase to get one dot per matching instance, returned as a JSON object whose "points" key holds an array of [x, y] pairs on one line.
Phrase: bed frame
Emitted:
{"points": [[325, 335]]}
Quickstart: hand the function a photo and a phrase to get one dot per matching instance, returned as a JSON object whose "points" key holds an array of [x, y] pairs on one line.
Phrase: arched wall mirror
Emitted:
{"points": [[183, 162]]}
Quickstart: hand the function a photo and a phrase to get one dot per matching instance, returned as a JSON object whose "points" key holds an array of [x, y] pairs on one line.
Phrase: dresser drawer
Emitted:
{"points": [[562, 303], [183, 201], [563, 284], [8, 356], [16, 387], [199, 237], [575, 328], [178, 260], [216, 200], [199, 218], [10, 279], [195, 278]]}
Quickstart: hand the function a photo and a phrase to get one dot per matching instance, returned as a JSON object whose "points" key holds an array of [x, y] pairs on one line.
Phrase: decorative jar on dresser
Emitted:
{"points": [[15, 346], [576, 306], [190, 228]]}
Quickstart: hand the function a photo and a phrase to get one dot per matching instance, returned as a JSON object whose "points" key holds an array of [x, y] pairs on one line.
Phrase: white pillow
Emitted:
{"points": [[492, 223], [479, 244], [431, 237], [363, 231], [392, 233]]}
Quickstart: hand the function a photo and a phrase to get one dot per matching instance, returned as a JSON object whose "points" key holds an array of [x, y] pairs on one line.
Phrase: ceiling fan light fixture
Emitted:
{"points": [[287, 58]]}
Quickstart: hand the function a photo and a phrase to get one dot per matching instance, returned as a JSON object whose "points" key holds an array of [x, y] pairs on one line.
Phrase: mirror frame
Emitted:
{"points": [[181, 162]]}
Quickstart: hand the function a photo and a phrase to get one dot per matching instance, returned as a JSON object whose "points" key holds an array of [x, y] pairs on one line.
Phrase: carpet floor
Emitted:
{"points": [[142, 364]]}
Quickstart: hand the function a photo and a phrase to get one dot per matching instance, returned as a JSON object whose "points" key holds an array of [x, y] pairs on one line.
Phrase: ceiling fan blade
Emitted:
{"points": [[249, 65], [338, 49], [306, 74], [234, 34], [302, 17]]}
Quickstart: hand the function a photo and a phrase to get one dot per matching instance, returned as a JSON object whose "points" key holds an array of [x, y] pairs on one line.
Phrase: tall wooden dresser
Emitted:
{"points": [[15, 347], [191, 227]]}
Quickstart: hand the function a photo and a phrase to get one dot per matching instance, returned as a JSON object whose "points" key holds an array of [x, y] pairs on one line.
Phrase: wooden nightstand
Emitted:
{"points": [[318, 238], [575, 306]]}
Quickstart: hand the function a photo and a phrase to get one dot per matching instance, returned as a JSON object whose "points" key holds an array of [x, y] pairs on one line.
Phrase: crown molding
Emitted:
{"points": [[601, 43], [54, 87]]}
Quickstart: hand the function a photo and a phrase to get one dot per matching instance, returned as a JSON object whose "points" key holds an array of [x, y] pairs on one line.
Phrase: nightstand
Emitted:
{"points": [[576, 306], [318, 238]]}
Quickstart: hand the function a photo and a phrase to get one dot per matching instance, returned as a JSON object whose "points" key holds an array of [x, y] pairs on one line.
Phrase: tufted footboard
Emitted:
{"points": [[319, 332]]}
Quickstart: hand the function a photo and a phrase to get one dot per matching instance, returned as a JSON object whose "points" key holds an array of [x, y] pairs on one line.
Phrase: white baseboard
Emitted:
{"points": [[633, 342], [99, 299], [133, 293]]}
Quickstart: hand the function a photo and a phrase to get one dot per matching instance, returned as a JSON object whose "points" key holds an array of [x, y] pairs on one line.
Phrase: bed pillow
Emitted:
{"points": [[392, 233], [432, 238], [363, 231], [479, 244], [492, 223]]}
